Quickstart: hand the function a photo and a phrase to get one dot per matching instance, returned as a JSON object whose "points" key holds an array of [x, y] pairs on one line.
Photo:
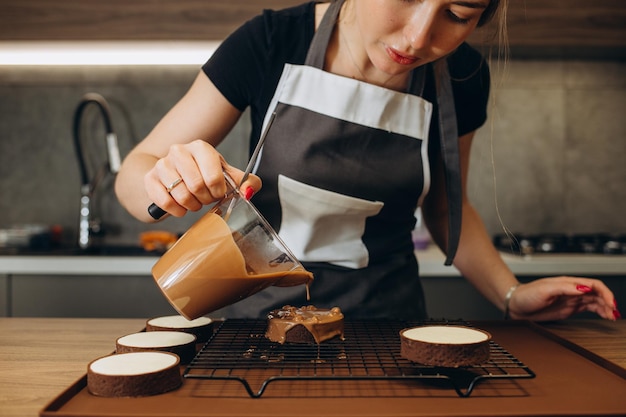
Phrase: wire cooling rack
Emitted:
{"points": [[239, 351]]}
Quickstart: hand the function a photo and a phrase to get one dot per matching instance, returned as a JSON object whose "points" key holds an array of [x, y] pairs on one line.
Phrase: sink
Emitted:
{"points": [[105, 250]]}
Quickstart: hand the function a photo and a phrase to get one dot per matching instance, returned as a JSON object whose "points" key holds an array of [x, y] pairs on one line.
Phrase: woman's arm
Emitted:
{"points": [[476, 256], [481, 264], [182, 145]]}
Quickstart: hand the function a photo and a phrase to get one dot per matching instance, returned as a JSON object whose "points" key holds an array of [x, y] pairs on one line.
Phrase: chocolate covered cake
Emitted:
{"points": [[134, 374], [306, 324], [449, 346]]}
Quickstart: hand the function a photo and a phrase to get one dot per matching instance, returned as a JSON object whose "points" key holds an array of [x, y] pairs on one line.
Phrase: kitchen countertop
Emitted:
{"points": [[41, 357], [76, 265], [431, 264]]}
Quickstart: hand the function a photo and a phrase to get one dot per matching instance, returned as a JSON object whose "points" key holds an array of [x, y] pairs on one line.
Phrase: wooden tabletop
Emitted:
{"points": [[604, 338], [40, 357]]}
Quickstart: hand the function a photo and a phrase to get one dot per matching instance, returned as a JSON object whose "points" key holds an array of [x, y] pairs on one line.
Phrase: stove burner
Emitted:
{"points": [[593, 243]]}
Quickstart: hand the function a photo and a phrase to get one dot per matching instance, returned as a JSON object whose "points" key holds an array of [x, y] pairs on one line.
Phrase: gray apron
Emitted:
{"points": [[344, 166]]}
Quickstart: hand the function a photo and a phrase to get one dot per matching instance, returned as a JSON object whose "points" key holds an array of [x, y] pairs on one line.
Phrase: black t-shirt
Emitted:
{"points": [[248, 64]]}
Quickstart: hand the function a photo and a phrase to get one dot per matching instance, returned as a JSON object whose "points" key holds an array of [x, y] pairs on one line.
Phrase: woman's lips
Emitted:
{"points": [[400, 58]]}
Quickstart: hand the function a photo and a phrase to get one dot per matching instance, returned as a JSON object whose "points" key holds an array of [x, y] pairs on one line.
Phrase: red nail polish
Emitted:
{"points": [[615, 303], [616, 314], [248, 193], [583, 288]]}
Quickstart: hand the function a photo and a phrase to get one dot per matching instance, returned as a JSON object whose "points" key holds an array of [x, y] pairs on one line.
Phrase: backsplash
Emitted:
{"points": [[554, 142]]}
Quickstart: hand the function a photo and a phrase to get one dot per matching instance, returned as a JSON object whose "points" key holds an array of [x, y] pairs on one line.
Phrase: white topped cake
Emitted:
{"points": [[201, 327], [134, 374], [181, 343], [449, 346]]}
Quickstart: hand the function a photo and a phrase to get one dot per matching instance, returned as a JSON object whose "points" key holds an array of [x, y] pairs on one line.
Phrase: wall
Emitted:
{"points": [[554, 148], [39, 175], [556, 130]]}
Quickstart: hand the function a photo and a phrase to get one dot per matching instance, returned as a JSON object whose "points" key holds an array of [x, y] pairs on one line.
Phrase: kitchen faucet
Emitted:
{"points": [[87, 225]]}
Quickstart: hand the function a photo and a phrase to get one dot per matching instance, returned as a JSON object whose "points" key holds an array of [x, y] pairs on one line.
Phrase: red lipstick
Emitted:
{"points": [[399, 58]]}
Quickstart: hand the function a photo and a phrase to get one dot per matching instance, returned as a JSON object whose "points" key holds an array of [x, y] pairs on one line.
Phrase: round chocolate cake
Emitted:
{"points": [[201, 327], [134, 374], [306, 324], [180, 343], [449, 346]]}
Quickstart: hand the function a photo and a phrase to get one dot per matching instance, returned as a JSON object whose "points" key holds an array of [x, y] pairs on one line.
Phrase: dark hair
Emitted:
{"points": [[490, 12]]}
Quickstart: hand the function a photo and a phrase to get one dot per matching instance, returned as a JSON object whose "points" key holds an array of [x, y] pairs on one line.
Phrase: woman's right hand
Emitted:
{"points": [[190, 176], [172, 151]]}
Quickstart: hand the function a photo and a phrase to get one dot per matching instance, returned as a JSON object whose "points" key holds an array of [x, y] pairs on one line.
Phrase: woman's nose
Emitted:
{"points": [[420, 29]]}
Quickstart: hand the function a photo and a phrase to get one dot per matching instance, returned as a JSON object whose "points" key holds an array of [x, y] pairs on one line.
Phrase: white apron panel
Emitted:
{"points": [[323, 226], [354, 101]]}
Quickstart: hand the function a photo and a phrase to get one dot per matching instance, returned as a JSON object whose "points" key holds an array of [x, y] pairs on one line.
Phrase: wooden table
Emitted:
{"points": [[40, 357], [604, 338]]}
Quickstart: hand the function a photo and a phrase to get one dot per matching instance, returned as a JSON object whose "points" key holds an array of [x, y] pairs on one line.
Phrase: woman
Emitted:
{"points": [[376, 103]]}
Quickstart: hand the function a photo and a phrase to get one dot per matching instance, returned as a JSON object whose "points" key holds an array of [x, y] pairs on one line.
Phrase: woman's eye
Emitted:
{"points": [[457, 19]]}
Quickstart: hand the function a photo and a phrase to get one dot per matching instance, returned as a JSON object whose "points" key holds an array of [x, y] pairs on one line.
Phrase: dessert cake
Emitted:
{"points": [[449, 346], [135, 374], [201, 327], [306, 324], [180, 343]]}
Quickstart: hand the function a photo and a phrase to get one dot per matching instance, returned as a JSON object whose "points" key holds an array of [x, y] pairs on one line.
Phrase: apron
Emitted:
{"points": [[344, 166]]}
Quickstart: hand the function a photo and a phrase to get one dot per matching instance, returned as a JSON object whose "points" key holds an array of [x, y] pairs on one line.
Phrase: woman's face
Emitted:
{"points": [[400, 35]]}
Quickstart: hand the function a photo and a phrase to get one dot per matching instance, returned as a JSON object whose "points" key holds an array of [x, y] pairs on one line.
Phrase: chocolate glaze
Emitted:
{"points": [[321, 324]]}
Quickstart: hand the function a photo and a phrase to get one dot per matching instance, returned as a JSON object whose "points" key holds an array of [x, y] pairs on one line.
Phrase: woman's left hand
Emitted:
{"points": [[559, 297]]}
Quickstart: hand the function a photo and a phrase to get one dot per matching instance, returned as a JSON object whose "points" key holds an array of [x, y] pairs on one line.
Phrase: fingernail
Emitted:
{"points": [[615, 303], [616, 314], [583, 288], [248, 193]]}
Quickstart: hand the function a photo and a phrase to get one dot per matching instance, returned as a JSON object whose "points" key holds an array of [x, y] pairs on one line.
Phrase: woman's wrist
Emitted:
{"points": [[507, 300]]}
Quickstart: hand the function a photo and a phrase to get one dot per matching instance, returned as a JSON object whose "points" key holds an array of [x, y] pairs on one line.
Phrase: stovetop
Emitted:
{"points": [[557, 243]]}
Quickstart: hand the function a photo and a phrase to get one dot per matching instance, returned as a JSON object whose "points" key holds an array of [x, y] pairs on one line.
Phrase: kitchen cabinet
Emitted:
{"points": [[94, 296], [99, 296], [536, 28], [5, 309], [577, 29], [196, 20]]}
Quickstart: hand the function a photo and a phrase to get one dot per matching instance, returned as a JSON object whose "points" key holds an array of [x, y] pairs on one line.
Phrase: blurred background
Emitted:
{"points": [[550, 159]]}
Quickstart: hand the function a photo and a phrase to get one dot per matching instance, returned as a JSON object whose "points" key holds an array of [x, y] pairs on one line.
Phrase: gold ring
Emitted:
{"points": [[173, 185]]}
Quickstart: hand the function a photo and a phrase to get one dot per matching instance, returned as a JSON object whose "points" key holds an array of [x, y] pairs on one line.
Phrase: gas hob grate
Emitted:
{"points": [[239, 351]]}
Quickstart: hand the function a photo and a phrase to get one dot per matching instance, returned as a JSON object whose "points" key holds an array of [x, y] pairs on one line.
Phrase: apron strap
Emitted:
{"points": [[449, 138], [317, 51]]}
